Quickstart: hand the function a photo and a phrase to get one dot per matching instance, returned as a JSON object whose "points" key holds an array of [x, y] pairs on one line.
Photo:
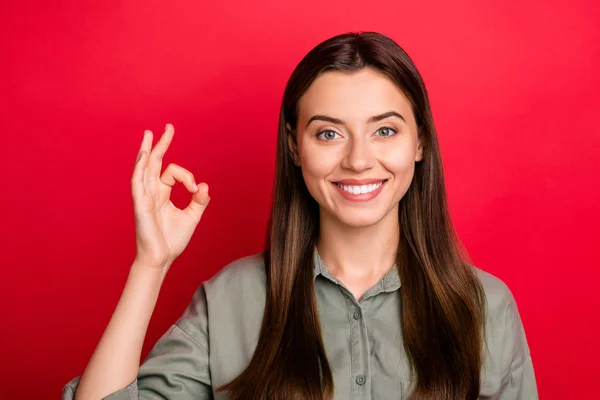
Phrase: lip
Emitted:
{"points": [[360, 197], [359, 182]]}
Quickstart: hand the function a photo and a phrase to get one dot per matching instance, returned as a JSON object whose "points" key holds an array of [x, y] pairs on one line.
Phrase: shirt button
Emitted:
{"points": [[360, 380], [357, 314]]}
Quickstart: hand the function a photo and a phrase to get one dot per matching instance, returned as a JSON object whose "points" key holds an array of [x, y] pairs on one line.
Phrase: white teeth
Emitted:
{"points": [[360, 189]]}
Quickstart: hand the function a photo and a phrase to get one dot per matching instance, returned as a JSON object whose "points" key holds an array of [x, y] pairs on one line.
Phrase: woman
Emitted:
{"points": [[362, 292]]}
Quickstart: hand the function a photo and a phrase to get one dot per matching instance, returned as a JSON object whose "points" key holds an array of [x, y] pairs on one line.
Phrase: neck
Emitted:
{"points": [[358, 251]]}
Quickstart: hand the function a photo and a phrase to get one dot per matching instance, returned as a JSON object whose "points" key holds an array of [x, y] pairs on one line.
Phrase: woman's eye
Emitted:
{"points": [[327, 135], [386, 131]]}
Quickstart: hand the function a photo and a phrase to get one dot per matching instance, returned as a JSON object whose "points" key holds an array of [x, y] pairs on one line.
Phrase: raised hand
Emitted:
{"points": [[162, 230]]}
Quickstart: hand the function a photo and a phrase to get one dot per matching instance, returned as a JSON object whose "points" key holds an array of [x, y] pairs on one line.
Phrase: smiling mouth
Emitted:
{"points": [[361, 189]]}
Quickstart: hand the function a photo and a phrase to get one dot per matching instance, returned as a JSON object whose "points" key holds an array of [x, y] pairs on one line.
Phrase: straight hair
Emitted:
{"points": [[443, 302]]}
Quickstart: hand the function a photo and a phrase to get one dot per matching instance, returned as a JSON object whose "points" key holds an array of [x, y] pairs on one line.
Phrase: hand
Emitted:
{"points": [[162, 230]]}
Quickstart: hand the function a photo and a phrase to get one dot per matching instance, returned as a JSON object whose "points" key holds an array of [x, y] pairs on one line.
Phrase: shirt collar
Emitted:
{"points": [[389, 282]]}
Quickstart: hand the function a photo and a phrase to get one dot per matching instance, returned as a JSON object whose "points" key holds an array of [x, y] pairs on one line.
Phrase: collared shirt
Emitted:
{"points": [[215, 338]]}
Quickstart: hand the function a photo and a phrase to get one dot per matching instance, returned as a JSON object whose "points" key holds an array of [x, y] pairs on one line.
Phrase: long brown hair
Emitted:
{"points": [[443, 302]]}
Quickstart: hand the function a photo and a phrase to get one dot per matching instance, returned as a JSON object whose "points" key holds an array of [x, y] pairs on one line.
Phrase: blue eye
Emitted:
{"points": [[327, 135], [386, 131]]}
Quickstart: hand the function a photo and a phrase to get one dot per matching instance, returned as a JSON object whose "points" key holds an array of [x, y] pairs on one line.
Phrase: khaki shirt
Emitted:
{"points": [[215, 338]]}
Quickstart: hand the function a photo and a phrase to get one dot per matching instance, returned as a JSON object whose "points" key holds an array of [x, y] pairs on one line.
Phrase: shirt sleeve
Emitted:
{"points": [[519, 382], [177, 367]]}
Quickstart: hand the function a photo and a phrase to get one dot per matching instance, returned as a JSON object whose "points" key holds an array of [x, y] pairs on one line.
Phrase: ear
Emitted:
{"points": [[419, 155], [292, 144]]}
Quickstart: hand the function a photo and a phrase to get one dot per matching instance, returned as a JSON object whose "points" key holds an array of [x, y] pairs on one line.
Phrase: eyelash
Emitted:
{"points": [[394, 131]]}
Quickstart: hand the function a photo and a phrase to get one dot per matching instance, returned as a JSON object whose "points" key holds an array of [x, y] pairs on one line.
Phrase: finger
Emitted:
{"points": [[146, 147], [146, 141], [157, 154], [137, 179], [199, 202], [175, 173]]}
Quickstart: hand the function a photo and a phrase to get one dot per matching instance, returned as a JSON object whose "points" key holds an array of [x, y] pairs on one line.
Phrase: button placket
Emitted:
{"points": [[360, 348]]}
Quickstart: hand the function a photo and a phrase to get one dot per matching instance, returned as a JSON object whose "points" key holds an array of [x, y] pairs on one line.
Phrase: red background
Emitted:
{"points": [[514, 90]]}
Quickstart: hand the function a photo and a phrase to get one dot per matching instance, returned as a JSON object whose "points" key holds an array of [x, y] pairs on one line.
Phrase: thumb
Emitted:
{"points": [[199, 202]]}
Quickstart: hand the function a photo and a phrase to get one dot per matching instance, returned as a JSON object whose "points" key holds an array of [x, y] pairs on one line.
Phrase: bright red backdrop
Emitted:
{"points": [[514, 90]]}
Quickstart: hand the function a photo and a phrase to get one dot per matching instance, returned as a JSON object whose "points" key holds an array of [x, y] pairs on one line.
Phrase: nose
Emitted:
{"points": [[359, 155]]}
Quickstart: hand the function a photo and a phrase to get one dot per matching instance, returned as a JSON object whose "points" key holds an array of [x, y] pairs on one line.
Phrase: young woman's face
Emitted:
{"points": [[357, 144]]}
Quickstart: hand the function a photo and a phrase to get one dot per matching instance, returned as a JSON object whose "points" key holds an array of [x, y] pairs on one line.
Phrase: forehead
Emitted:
{"points": [[355, 96]]}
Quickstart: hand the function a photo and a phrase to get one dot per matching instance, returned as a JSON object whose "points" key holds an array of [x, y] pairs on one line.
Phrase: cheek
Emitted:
{"points": [[398, 160], [401, 164], [317, 163]]}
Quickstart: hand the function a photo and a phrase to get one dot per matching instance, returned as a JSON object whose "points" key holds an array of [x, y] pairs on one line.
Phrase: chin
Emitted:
{"points": [[359, 218]]}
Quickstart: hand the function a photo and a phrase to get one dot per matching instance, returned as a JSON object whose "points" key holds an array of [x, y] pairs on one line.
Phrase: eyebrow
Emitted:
{"points": [[374, 118]]}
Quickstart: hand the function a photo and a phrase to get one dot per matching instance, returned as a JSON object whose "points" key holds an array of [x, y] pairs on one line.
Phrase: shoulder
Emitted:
{"points": [[502, 313], [498, 295], [235, 303], [244, 274], [506, 342], [247, 273], [237, 291], [232, 296]]}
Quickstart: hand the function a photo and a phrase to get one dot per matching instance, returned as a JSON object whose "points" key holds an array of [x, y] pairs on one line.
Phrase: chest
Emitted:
{"points": [[363, 341]]}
